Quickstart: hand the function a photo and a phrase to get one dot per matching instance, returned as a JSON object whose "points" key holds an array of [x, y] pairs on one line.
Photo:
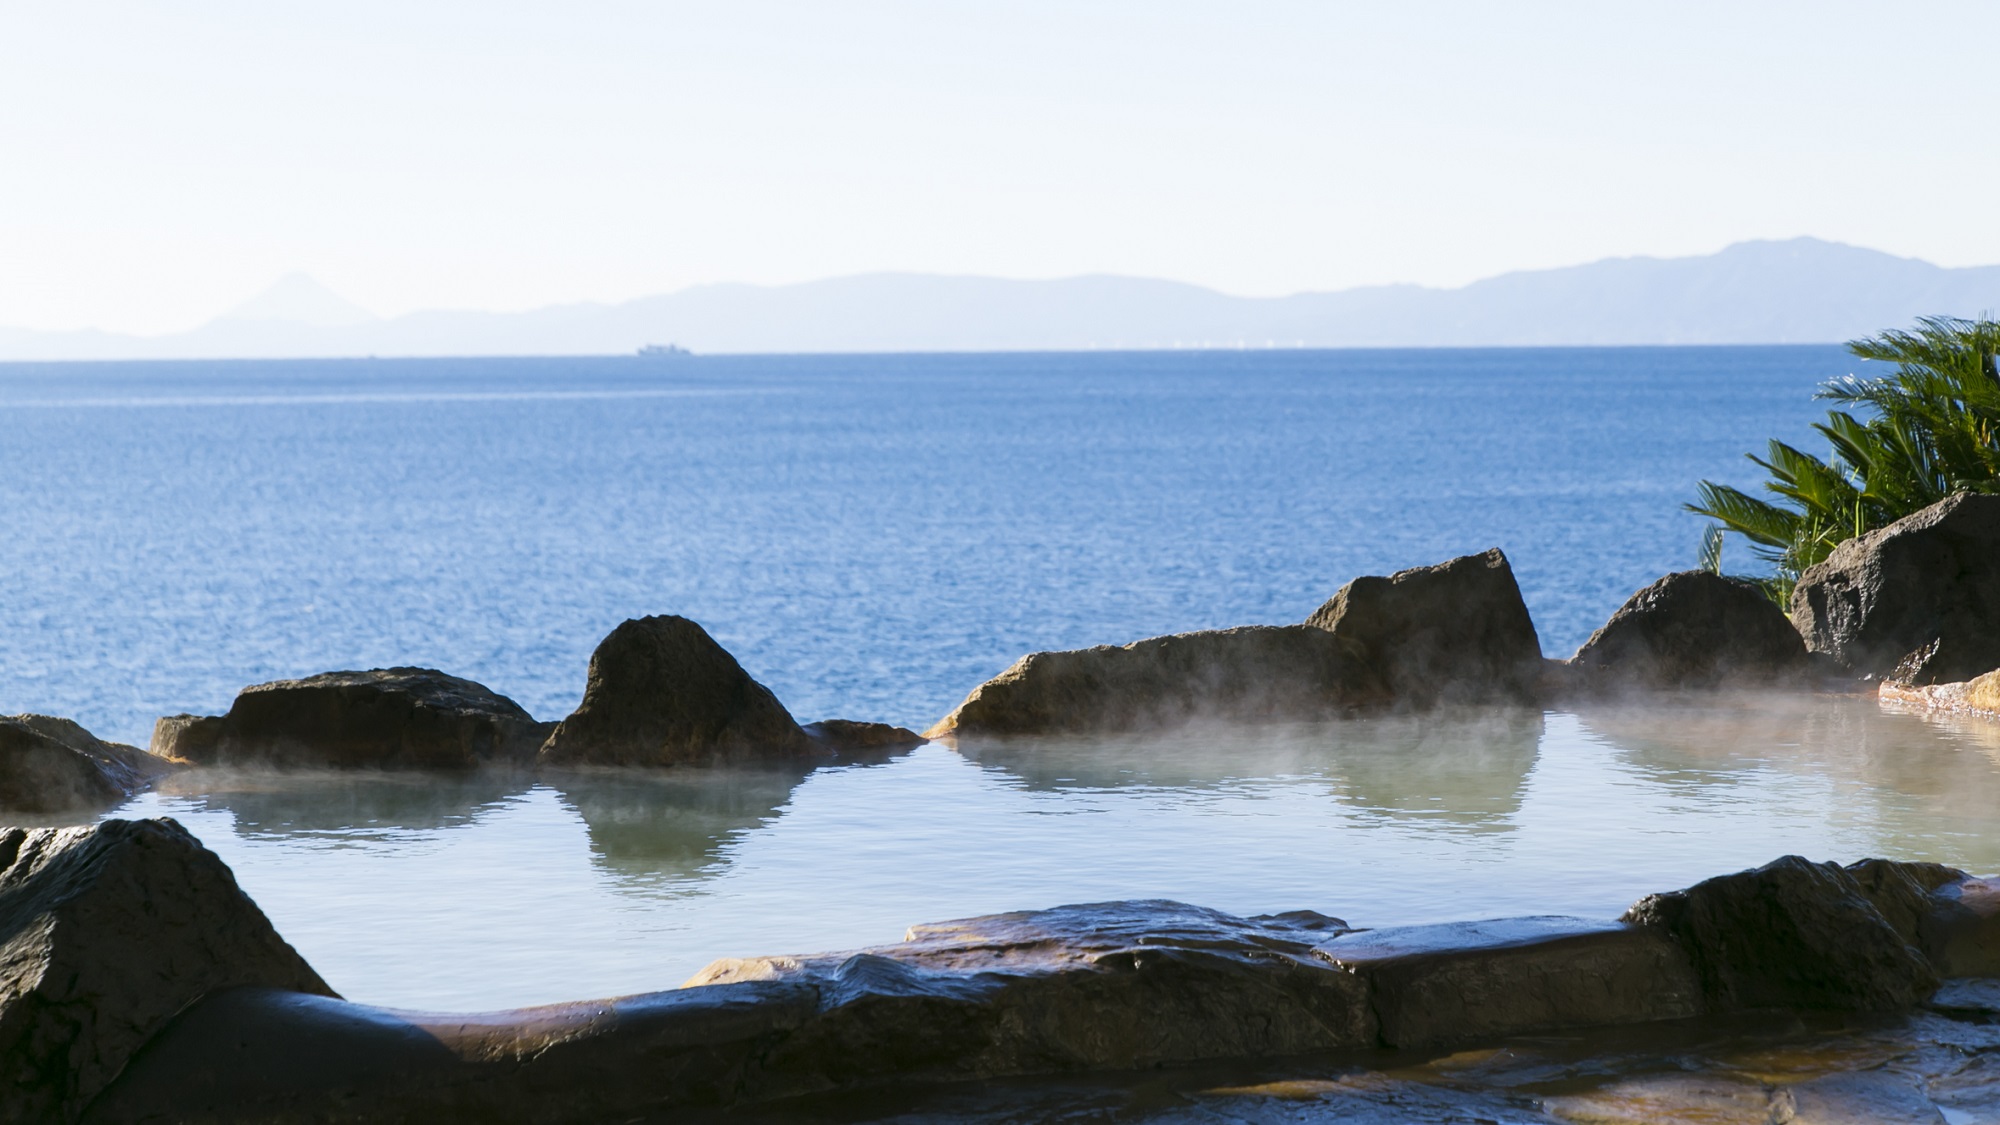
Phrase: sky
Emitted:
{"points": [[162, 162]]}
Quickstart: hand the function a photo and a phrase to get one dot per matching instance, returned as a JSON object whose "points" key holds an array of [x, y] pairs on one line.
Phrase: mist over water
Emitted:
{"points": [[870, 535], [491, 891]]}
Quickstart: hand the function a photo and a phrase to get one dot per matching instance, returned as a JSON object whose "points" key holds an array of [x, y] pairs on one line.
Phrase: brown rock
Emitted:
{"points": [[1693, 629], [186, 738], [1977, 696], [1253, 673], [105, 933], [846, 736], [661, 692], [1791, 934], [1453, 633], [387, 718], [1929, 581], [52, 765]]}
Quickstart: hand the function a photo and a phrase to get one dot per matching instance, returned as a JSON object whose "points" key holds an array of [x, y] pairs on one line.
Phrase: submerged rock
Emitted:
{"points": [[1454, 633], [1926, 586], [50, 765], [1795, 934], [662, 692], [387, 718], [1257, 672], [105, 933], [1693, 629]]}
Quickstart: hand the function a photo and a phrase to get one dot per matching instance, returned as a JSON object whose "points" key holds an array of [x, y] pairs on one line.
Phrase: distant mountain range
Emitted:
{"points": [[1802, 290]]}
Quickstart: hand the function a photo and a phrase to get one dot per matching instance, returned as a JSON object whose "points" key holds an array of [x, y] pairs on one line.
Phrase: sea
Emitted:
{"points": [[872, 537]]}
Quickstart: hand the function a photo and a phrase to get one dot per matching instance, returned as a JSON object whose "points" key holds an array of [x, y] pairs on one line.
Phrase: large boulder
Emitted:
{"points": [[1693, 629], [50, 765], [105, 933], [1927, 585], [1257, 672], [1453, 633], [387, 718], [1796, 934], [661, 692]]}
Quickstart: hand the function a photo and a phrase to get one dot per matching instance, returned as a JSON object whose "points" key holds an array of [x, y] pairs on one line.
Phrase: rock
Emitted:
{"points": [[661, 692], [1455, 633], [1100, 986], [1791, 934], [847, 736], [1694, 629], [1961, 930], [50, 765], [1109, 986], [105, 933], [1929, 579], [1257, 672], [1441, 983], [387, 718], [1977, 696], [186, 738]]}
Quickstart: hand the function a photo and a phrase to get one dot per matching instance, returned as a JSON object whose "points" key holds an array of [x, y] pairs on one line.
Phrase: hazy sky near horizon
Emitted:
{"points": [[162, 162]]}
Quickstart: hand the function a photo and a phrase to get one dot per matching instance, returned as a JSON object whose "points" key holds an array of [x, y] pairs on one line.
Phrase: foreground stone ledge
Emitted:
{"points": [[224, 1024], [1448, 983]]}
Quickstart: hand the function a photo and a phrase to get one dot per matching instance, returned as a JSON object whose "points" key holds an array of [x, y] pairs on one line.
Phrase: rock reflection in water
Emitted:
{"points": [[1466, 772], [1913, 779], [666, 825], [271, 804]]}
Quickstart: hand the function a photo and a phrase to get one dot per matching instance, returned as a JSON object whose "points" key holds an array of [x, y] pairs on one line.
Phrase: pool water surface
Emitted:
{"points": [[498, 890]]}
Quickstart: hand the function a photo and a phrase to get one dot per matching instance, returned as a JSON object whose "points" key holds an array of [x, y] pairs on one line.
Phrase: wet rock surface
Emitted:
{"points": [[662, 692], [1794, 934], [1455, 633], [105, 933], [386, 718], [1253, 673], [1458, 981], [1692, 630], [53, 765], [1927, 585]]}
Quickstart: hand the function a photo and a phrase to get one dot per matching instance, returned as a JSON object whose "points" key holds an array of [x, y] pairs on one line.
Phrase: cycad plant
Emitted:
{"points": [[1926, 430]]}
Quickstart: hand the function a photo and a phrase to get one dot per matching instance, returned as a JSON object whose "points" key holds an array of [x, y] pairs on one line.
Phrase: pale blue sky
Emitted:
{"points": [[160, 162]]}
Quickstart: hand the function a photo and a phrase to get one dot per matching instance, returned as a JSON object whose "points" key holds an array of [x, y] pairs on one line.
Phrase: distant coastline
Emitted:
{"points": [[1798, 291]]}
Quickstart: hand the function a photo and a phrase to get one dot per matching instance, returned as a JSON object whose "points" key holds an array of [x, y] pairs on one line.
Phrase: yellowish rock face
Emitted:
{"points": [[1983, 693]]}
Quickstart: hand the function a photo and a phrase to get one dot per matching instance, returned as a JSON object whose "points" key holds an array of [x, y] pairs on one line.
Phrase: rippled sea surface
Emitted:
{"points": [[872, 537]]}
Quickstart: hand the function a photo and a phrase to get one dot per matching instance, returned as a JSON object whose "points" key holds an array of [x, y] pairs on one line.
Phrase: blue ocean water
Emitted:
{"points": [[870, 535]]}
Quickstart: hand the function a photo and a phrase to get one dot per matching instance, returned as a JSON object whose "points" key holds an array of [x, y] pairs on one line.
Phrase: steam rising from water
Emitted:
{"points": [[486, 891]]}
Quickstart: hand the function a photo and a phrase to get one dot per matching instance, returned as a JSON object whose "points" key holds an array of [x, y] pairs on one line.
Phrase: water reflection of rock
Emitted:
{"points": [[276, 803], [1911, 775], [652, 825], [1455, 772]]}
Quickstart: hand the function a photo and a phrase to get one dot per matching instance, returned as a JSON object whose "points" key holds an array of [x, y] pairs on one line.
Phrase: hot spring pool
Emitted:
{"points": [[479, 892]]}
